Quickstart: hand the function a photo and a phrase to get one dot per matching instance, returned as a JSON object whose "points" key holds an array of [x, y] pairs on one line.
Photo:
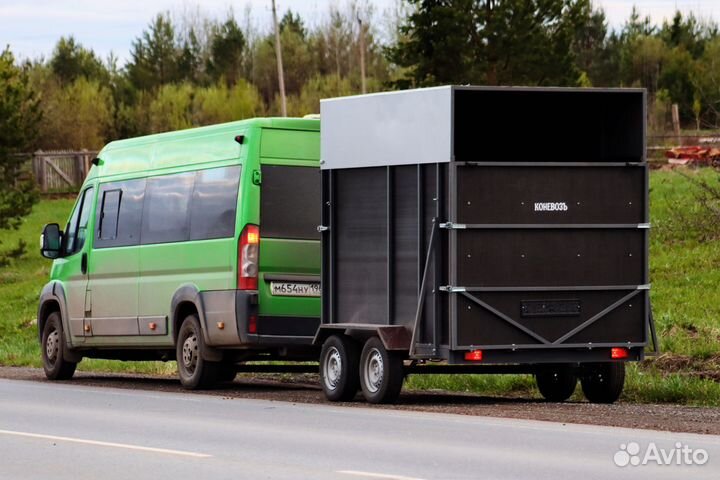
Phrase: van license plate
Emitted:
{"points": [[293, 289]]}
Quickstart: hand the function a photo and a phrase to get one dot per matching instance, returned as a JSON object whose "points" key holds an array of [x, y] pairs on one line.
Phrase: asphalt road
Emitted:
{"points": [[64, 431]]}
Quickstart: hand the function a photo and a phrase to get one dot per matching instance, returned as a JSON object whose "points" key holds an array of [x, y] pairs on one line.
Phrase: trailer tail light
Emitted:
{"points": [[248, 255], [474, 356], [252, 324], [618, 353]]}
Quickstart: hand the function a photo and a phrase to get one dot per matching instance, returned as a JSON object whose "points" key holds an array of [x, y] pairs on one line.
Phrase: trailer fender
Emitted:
{"points": [[393, 337]]}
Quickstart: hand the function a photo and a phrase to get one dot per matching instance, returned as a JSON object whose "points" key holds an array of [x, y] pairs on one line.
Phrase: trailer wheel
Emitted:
{"points": [[195, 373], [339, 368], [556, 384], [53, 345], [381, 372], [604, 382]]}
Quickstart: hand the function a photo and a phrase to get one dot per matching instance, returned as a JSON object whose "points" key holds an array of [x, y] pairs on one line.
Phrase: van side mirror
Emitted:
{"points": [[50, 241]]}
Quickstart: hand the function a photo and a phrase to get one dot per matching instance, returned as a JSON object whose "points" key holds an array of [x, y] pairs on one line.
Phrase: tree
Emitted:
{"points": [[75, 116], [19, 117], [491, 42], [218, 103], [70, 61], [596, 53], [190, 59], [227, 47], [172, 108], [154, 56]]}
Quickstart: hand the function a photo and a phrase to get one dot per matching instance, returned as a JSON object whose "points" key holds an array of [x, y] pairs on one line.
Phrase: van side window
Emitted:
{"points": [[165, 215], [110, 212], [290, 202], [75, 233], [214, 203], [119, 213]]}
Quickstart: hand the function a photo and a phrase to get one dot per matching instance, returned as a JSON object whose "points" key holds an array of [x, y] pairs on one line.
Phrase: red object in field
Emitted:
{"points": [[618, 353], [474, 356], [248, 254], [692, 155]]}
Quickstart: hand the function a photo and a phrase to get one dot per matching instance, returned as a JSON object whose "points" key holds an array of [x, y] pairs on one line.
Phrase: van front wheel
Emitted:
{"points": [[194, 372], [53, 348]]}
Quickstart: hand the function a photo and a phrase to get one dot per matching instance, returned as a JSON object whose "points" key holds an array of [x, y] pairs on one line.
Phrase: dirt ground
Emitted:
{"points": [[303, 388]]}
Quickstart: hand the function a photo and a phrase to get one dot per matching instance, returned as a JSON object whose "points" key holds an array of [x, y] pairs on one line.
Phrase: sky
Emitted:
{"points": [[32, 27]]}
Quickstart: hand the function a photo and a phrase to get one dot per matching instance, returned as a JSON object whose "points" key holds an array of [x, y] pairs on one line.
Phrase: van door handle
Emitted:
{"points": [[83, 263]]}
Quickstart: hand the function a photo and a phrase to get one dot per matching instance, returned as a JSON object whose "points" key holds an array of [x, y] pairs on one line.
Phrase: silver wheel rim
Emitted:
{"points": [[333, 368], [374, 371], [52, 346], [190, 353]]}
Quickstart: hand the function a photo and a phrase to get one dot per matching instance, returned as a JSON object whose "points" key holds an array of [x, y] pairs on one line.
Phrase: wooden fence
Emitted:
{"points": [[62, 170]]}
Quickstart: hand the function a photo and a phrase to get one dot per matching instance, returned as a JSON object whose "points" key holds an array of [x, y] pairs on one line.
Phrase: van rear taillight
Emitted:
{"points": [[248, 256]]}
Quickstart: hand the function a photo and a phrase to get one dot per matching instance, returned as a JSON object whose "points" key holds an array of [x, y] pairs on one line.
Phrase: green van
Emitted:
{"points": [[199, 246]]}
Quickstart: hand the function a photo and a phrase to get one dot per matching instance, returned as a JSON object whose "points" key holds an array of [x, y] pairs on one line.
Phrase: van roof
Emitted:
{"points": [[185, 147]]}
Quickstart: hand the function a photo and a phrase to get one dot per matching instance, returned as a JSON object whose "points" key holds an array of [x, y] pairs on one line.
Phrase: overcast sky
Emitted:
{"points": [[32, 27]]}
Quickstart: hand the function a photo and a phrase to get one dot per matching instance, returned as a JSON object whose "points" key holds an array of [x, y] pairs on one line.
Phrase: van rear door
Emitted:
{"points": [[289, 286]]}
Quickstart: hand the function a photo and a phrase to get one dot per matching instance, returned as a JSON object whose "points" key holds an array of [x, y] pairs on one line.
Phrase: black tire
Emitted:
{"points": [[53, 348], [195, 373], [227, 372], [339, 368], [381, 372], [604, 382], [556, 384]]}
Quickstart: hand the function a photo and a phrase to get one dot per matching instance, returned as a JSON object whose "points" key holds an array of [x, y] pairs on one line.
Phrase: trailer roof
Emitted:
{"points": [[419, 126]]}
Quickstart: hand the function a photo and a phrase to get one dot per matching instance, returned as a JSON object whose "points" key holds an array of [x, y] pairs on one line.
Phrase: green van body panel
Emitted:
{"points": [[138, 282]]}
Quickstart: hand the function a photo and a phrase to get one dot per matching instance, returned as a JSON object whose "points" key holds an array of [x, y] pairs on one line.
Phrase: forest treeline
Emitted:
{"points": [[192, 69]]}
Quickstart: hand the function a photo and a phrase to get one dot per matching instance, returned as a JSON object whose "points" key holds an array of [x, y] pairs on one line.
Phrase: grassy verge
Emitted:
{"points": [[685, 272]]}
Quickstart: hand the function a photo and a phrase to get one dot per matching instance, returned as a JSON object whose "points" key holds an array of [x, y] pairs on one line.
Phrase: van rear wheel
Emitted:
{"points": [[381, 372], [53, 348], [603, 382], [339, 368], [194, 372]]}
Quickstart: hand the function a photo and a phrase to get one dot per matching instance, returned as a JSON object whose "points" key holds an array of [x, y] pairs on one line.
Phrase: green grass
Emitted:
{"points": [[685, 274]]}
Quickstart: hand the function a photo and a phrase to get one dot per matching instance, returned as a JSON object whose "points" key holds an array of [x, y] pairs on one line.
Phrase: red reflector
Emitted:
{"points": [[252, 324], [619, 352], [474, 356]]}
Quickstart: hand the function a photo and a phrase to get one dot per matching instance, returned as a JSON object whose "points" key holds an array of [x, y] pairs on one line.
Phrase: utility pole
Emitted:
{"points": [[362, 54], [278, 55]]}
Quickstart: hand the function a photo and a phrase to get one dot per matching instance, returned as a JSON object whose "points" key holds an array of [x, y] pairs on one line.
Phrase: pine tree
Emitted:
{"points": [[19, 117]]}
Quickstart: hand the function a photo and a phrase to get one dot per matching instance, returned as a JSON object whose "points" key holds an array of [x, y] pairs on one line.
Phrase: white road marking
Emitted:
{"points": [[377, 475], [106, 444]]}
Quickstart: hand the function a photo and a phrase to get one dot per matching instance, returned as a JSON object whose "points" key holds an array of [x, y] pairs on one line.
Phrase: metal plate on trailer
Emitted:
{"points": [[295, 289], [539, 257], [551, 195], [479, 326], [391, 128], [549, 308]]}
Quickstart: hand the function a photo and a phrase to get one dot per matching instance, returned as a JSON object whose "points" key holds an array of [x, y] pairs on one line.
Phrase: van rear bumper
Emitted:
{"points": [[226, 319]]}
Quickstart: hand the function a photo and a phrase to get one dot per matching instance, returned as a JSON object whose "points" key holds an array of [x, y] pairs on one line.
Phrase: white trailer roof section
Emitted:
{"points": [[393, 128]]}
